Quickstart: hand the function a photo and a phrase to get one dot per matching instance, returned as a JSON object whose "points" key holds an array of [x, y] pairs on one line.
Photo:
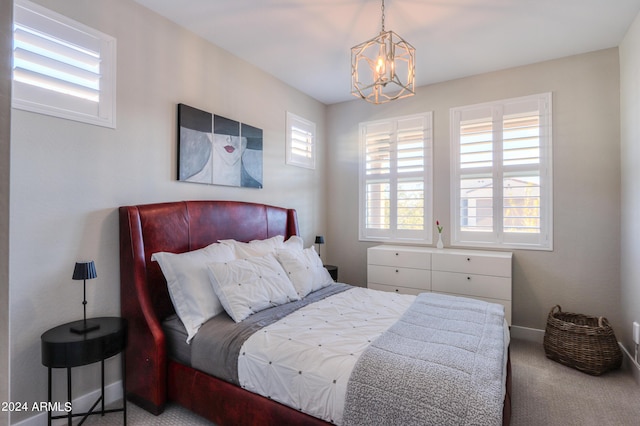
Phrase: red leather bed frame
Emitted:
{"points": [[153, 379]]}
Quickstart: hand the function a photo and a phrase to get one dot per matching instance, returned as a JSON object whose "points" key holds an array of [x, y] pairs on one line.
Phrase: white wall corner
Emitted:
{"points": [[629, 363]]}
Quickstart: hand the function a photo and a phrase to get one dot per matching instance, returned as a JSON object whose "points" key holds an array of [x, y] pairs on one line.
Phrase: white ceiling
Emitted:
{"points": [[307, 43]]}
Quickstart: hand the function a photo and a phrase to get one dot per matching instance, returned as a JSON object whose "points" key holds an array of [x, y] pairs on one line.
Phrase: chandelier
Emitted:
{"points": [[382, 69]]}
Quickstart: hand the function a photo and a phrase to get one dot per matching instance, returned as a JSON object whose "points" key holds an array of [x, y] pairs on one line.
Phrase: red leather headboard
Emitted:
{"points": [[175, 227]]}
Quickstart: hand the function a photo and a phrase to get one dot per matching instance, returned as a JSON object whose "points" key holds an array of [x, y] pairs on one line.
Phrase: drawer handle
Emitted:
{"points": [[469, 278], [397, 270], [397, 290], [397, 254], [468, 259]]}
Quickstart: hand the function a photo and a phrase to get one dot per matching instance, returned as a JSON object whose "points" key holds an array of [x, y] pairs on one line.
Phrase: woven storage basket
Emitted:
{"points": [[582, 342]]}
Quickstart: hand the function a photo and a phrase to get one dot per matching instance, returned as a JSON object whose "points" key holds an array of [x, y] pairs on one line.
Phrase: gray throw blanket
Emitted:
{"points": [[441, 364]]}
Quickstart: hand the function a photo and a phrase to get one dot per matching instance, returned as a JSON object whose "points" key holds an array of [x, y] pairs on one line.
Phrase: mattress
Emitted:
{"points": [[176, 334], [300, 354]]}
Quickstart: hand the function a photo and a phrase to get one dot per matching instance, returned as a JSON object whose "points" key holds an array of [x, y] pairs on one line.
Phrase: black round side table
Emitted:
{"points": [[63, 348]]}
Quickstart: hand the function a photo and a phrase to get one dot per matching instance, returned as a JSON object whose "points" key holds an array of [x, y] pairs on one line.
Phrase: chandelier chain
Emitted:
{"points": [[382, 8]]}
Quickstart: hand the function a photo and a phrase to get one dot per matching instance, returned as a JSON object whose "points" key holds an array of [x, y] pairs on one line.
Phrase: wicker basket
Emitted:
{"points": [[582, 342]]}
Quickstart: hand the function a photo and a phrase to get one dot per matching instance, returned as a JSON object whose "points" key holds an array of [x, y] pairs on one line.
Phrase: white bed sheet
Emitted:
{"points": [[305, 360]]}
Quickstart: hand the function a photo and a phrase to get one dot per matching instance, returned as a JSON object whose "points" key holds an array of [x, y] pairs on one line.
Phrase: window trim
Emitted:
{"points": [[394, 235], [296, 160], [49, 102], [545, 241]]}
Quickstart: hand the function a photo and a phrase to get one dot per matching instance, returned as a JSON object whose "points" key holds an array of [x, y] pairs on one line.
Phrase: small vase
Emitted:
{"points": [[440, 243]]}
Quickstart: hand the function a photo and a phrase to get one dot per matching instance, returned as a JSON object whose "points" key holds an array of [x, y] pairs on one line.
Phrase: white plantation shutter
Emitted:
{"points": [[377, 164], [395, 179], [501, 173], [61, 67], [300, 142]]}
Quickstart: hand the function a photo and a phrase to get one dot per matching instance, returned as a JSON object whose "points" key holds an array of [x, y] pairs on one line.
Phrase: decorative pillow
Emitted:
{"points": [[189, 287], [255, 248], [247, 286], [305, 269], [294, 242]]}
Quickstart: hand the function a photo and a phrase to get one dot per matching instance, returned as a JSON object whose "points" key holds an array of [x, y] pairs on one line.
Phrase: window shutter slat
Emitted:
{"points": [[59, 50], [378, 205], [378, 154], [54, 69], [56, 85]]}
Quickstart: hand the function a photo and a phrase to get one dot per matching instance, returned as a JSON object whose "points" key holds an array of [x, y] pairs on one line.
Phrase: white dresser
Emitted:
{"points": [[478, 274]]}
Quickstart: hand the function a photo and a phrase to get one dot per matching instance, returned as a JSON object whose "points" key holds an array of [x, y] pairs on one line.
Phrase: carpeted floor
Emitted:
{"points": [[545, 393], [548, 393]]}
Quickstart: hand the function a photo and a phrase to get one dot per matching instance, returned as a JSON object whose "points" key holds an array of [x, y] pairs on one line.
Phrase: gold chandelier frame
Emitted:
{"points": [[383, 68]]}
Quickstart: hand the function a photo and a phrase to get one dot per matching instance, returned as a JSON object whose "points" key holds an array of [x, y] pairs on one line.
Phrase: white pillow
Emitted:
{"points": [[305, 269], [294, 242], [189, 287], [255, 248], [247, 286]]}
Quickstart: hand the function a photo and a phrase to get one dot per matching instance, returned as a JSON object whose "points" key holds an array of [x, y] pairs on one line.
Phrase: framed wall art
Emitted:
{"points": [[215, 150]]}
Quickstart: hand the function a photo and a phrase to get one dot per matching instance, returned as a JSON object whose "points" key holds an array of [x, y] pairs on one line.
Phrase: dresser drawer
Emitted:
{"points": [[419, 279], [470, 263], [404, 257], [471, 285], [399, 290]]}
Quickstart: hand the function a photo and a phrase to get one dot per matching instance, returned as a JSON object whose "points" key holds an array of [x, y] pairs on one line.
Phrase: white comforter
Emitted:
{"points": [[305, 360]]}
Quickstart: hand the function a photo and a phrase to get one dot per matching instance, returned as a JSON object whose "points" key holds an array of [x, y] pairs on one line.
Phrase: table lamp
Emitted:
{"points": [[84, 271], [319, 241]]}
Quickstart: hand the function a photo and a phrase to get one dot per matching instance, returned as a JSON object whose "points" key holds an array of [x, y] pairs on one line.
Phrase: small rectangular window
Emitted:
{"points": [[62, 67], [300, 142]]}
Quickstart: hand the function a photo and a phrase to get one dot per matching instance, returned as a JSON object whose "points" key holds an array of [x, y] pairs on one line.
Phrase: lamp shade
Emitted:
{"points": [[319, 239], [84, 271]]}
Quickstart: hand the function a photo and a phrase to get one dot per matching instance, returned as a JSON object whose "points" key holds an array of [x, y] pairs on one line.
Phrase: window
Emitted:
{"points": [[501, 173], [301, 142], [61, 67], [396, 179]]}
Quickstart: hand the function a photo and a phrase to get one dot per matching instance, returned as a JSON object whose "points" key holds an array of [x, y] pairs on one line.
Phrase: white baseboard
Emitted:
{"points": [[526, 333], [112, 393], [630, 363]]}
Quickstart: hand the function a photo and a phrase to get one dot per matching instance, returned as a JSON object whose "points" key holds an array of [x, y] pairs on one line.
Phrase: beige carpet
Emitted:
{"points": [[548, 393], [545, 393]]}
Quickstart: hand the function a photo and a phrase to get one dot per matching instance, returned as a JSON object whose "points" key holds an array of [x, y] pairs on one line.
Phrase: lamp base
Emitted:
{"points": [[84, 327]]}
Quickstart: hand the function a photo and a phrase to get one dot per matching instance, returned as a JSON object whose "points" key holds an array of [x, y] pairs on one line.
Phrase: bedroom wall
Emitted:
{"points": [[630, 176], [6, 15], [68, 178], [582, 272]]}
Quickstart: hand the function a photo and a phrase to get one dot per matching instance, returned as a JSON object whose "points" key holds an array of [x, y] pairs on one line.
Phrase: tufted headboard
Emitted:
{"points": [[174, 227]]}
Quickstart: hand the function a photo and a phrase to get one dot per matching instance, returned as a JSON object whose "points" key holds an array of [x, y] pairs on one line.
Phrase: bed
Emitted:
{"points": [[156, 374]]}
